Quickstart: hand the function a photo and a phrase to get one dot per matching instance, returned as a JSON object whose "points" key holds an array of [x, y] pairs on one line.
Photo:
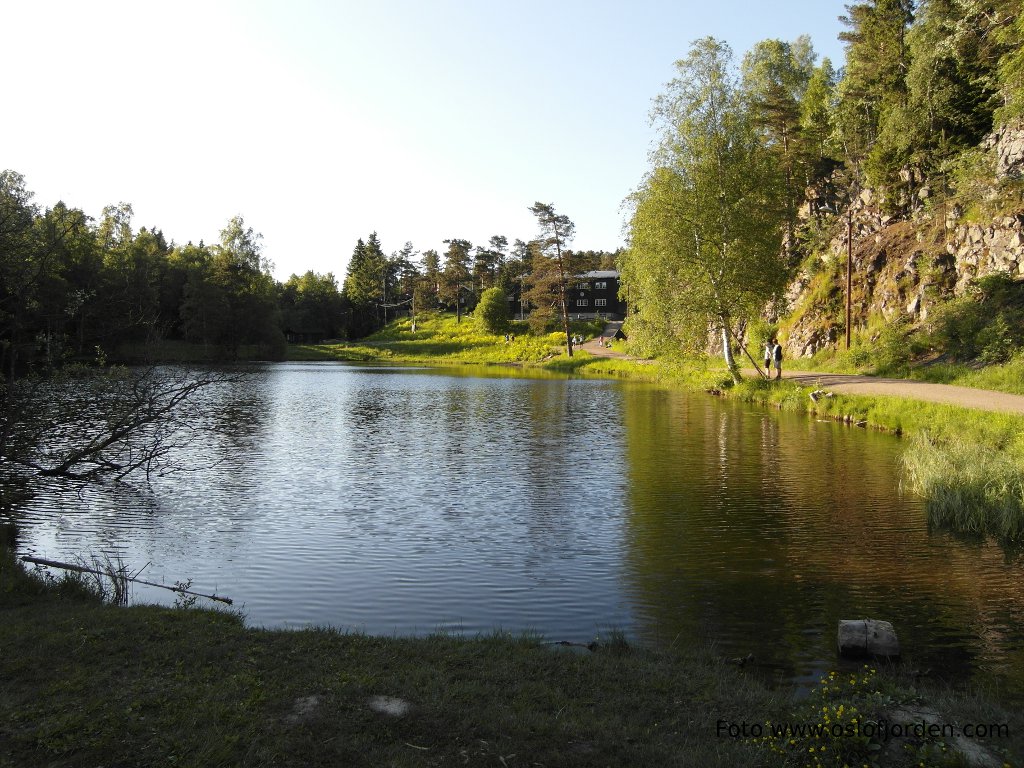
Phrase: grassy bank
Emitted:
{"points": [[441, 339], [92, 684]]}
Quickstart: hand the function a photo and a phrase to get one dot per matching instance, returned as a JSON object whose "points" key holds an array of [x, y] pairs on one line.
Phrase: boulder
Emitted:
{"points": [[867, 637]]}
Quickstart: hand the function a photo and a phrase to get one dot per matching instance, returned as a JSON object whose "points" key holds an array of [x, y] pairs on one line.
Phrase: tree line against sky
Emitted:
{"points": [[72, 284], [714, 231]]}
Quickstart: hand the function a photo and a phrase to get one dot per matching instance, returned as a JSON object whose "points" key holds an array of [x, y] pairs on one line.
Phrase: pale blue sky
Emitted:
{"points": [[320, 122]]}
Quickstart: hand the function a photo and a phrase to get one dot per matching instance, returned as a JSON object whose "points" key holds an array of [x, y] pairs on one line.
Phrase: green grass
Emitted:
{"points": [[437, 339], [90, 684], [968, 487], [1005, 377], [443, 340]]}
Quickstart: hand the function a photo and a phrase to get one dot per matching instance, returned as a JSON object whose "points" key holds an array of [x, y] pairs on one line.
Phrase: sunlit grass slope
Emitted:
{"points": [[444, 339]]}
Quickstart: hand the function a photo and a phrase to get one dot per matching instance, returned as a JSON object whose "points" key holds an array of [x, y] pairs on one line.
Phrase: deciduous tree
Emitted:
{"points": [[492, 311], [705, 232]]}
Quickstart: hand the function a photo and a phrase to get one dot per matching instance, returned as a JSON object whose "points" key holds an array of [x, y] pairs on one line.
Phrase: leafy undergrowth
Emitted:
{"points": [[1003, 377], [864, 718]]}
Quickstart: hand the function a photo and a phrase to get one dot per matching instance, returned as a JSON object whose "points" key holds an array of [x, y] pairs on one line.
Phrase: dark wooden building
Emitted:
{"points": [[590, 295], [595, 294]]}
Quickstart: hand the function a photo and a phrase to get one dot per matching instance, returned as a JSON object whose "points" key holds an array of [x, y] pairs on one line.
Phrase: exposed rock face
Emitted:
{"points": [[900, 264], [1008, 143], [978, 250]]}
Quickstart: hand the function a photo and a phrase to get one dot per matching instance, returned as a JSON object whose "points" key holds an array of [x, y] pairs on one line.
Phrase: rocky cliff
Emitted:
{"points": [[904, 264]]}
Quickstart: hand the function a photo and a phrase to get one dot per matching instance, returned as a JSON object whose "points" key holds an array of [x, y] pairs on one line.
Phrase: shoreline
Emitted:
{"points": [[88, 683]]}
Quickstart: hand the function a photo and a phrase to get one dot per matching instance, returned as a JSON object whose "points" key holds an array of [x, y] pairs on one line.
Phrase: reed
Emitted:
{"points": [[968, 487], [106, 578]]}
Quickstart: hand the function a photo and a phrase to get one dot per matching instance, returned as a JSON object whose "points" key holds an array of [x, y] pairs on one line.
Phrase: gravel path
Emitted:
{"points": [[855, 384]]}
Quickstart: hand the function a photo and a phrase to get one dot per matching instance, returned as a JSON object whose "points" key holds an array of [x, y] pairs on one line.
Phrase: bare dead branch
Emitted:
{"points": [[128, 577], [93, 425]]}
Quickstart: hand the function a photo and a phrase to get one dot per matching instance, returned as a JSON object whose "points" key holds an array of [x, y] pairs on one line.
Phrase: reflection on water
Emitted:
{"points": [[409, 500], [761, 531]]}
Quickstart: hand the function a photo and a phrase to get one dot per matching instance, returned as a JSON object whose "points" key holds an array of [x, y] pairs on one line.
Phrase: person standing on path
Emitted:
{"points": [[777, 357], [768, 348]]}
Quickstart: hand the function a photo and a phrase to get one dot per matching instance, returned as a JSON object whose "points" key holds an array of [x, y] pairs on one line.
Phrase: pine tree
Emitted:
{"points": [[877, 60], [552, 268]]}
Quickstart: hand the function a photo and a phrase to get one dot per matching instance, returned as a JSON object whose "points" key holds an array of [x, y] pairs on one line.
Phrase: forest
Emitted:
{"points": [[71, 285], [772, 171]]}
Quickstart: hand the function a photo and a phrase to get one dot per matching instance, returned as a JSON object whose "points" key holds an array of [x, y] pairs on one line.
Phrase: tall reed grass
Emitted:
{"points": [[968, 487]]}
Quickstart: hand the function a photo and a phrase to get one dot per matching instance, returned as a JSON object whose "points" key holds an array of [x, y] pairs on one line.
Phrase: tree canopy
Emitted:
{"points": [[705, 232]]}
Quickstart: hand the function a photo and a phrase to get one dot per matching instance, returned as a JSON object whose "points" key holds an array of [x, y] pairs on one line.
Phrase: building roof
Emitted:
{"points": [[601, 273]]}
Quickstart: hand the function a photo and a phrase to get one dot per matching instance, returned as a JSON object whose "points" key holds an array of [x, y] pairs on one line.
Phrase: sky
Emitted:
{"points": [[322, 121]]}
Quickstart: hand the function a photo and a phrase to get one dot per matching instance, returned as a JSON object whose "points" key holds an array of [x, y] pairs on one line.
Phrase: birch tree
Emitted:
{"points": [[705, 231]]}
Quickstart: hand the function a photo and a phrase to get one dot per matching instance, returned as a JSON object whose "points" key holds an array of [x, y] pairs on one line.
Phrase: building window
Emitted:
{"points": [[601, 286], [583, 286], [582, 302], [600, 302]]}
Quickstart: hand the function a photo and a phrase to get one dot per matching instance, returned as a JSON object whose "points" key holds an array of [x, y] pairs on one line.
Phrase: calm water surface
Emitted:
{"points": [[402, 500]]}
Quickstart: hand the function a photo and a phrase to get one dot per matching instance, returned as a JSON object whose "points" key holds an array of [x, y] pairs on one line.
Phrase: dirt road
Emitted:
{"points": [[852, 384], [855, 384]]}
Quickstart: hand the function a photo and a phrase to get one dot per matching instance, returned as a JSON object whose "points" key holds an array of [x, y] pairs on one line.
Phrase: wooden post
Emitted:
{"points": [[849, 269]]}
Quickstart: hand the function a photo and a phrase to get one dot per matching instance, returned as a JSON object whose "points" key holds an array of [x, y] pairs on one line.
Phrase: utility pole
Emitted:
{"points": [[849, 268]]}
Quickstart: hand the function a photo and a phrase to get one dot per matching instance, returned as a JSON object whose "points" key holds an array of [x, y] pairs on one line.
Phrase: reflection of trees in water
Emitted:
{"points": [[762, 530], [526, 461], [239, 412], [703, 522]]}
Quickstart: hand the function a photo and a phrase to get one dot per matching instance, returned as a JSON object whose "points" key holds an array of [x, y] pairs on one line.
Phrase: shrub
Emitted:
{"points": [[984, 324], [892, 351], [492, 311]]}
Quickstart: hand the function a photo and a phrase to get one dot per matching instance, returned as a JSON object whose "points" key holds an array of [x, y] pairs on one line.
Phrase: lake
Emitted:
{"points": [[412, 500]]}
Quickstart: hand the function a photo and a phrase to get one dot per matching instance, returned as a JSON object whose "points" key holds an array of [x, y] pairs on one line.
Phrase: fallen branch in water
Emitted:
{"points": [[83, 569]]}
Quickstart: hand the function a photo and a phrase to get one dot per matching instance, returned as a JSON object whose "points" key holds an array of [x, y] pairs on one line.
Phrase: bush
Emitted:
{"points": [[984, 324], [492, 311], [892, 351]]}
